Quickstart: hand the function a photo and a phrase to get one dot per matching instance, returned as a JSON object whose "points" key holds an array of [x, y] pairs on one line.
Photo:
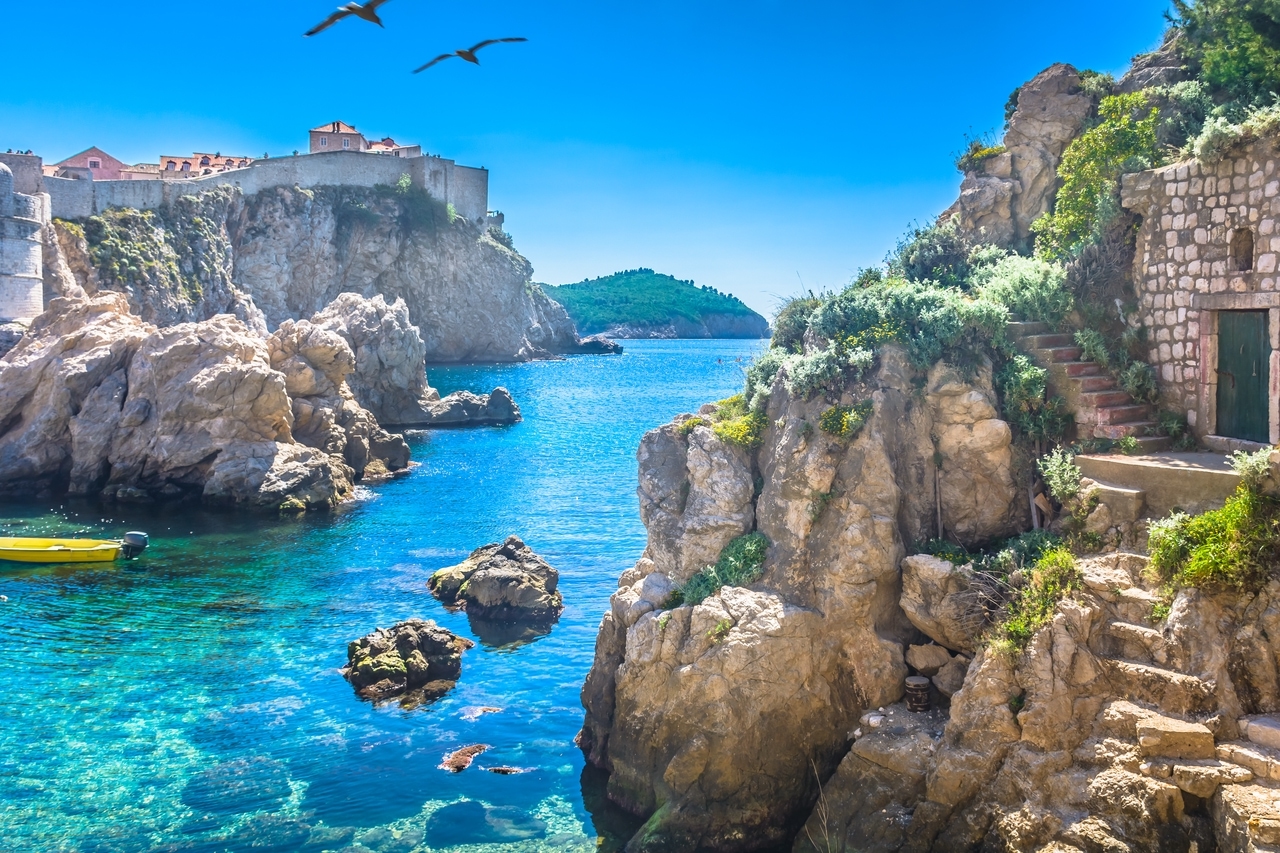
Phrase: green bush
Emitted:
{"points": [[1236, 44], [733, 423], [792, 321], [1024, 389], [1123, 140], [977, 152], [1053, 577], [690, 424], [1220, 136], [741, 563], [1097, 84], [1061, 475], [938, 252], [845, 422], [1254, 468], [1233, 548], [1033, 290], [1175, 426]]}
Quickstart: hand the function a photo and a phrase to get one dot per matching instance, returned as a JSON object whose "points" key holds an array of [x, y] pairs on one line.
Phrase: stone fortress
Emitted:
{"points": [[33, 194]]}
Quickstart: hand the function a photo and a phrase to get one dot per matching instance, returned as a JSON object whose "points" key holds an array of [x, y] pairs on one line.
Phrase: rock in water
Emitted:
{"points": [[503, 582], [460, 759], [415, 659]]}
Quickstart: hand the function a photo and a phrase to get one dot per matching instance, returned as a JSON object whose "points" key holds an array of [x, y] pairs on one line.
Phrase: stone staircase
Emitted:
{"points": [[1101, 409], [1171, 715]]}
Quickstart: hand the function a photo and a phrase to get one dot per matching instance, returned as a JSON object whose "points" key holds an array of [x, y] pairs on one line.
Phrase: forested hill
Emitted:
{"points": [[645, 304]]}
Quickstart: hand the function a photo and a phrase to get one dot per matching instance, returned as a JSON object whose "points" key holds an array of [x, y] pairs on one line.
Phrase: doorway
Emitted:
{"points": [[1244, 362]]}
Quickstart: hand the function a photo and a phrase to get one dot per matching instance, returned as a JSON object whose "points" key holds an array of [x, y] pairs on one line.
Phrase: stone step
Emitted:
{"points": [[1193, 482], [1081, 368], [1093, 384], [1262, 729], [1173, 692], [1048, 341], [1105, 399], [1129, 641], [1160, 736], [1115, 432], [1024, 330], [1123, 414], [1262, 760], [1062, 355], [1247, 817]]}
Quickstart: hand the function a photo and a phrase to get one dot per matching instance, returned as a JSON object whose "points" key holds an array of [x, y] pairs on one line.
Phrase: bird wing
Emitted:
{"points": [[439, 58], [373, 4], [328, 22], [488, 42]]}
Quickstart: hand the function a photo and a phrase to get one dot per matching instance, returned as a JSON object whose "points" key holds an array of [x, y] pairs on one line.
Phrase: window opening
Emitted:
{"points": [[1242, 250]]}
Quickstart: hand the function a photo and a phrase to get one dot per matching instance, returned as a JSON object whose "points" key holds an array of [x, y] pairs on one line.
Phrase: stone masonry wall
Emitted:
{"points": [[1186, 269]]}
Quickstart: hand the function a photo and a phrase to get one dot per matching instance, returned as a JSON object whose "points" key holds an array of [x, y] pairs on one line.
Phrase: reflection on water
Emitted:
{"points": [[191, 701]]}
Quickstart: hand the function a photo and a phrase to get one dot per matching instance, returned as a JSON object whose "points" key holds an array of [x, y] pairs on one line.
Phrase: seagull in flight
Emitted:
{"points": [[469, 54], [369, 11]]}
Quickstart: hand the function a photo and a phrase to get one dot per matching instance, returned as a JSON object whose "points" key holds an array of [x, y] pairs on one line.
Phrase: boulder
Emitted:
{"points": [[415, 659], [10, 334], [1167, 737], [928, 660], [950, 678], [942, 601], [503, 582], [462, 408]]}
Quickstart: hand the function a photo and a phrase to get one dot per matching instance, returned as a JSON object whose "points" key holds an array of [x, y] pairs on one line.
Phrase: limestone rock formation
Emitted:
{"points": [[999, 201], [415, 659], [722, 761], [10, 334], [94, 401], [942, 601], [462, 408], [287, 253], [502, 582]]}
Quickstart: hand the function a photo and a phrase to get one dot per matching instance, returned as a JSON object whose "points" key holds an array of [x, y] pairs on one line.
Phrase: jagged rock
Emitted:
{"points": [[942, 601], [316, 363], [414, 656], [462, 408], [950, 678], [503, 582], [10, 334], [928, 660], [93, 400], [695, 498], [1000, 200], [460, 759]]}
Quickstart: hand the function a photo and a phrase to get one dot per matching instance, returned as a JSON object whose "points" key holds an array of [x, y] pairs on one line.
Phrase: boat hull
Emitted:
{"points": [[40, 550]]}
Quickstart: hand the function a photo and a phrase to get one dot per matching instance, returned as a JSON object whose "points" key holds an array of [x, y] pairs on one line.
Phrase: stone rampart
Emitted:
{"points": [[466, 188], [22, 217], [1209, 243]]}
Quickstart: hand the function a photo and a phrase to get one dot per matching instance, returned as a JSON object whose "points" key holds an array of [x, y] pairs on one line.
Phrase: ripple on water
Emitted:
{"points": [[191, 700]]}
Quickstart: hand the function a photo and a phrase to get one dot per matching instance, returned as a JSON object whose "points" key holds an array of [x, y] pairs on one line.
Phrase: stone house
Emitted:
{"points": [[337, 136], [92, 164], [1208, 291], [198, 163]]}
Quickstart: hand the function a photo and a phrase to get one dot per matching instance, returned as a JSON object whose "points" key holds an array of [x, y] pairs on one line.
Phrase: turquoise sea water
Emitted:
{"points": [[190, 701]]}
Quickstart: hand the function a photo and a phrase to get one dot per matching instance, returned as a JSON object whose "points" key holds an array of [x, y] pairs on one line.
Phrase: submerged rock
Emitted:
{"points": [[503, 582], [472, 822], [460, 759], [415, 659]]}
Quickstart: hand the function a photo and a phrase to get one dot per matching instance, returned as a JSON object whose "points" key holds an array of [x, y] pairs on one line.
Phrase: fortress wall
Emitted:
{"points": [[27, 172], [464, 187], [469, 192]]}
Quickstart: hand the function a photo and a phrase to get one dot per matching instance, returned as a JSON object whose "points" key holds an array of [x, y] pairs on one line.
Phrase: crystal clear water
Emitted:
{"points": [[191, 701]]}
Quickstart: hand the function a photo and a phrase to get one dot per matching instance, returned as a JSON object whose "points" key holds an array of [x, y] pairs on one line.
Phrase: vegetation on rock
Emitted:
{"points": [[741, 562], [1052, 578], [733, 423], [643, 297], [845, 422]]}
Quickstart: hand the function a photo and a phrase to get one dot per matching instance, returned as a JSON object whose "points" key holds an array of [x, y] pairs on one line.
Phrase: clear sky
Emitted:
{"points": [[758, 145]]}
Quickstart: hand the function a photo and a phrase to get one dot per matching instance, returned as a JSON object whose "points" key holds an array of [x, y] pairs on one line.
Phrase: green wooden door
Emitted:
{"points": [[1244, 362]]}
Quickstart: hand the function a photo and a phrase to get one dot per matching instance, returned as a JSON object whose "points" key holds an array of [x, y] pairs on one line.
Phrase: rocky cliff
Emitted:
{"points": [[95, 401], [718, 721], [287, 253]]}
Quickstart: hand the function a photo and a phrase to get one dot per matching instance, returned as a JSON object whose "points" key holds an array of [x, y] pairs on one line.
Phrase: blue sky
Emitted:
{"points": [[757, 146]]}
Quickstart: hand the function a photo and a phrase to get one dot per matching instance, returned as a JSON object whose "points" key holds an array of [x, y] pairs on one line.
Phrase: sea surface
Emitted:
{"points": [[191, 700]]}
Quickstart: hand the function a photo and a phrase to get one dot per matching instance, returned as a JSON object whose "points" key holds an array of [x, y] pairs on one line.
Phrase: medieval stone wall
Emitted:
{"points": [[1209, 242]]}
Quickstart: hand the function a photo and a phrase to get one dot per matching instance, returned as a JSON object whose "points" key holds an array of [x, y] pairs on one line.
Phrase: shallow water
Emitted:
{"points": [[191, 700]]}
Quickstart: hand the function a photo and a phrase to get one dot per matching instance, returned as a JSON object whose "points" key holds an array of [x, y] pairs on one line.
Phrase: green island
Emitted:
{"points": [[642, 303]]}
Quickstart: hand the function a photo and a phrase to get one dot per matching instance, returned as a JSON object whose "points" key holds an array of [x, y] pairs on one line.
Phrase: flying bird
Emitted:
{"points": [[369, 11], [469, 54]]}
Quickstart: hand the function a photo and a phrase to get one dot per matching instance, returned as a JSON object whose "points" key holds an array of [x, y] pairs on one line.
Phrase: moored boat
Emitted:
{"points": [[36, 549]]}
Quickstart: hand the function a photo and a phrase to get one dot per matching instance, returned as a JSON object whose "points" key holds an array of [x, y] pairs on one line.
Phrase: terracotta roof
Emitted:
{"points": [[334, 127]]}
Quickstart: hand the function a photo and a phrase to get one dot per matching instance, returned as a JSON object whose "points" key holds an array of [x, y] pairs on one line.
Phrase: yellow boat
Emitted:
{"points": [[41, 550]]}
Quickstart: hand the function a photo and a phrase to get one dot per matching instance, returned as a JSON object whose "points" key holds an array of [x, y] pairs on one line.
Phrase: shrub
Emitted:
{"points": [[1138, 380], [1061, 475], [741, 562], [1053, 577], [1174, 425], [1220, 136], [977, 152], [1234, 548], [1123, 140], [938, 252], [1254, 468], [1014, 554], [1235, 44], [1024, 388], [690, 424], [760, 377], [1184, 108], [1093, 347], [1032, 289], [845, 422], [792, 321], [735, 424], [1097, 84]]}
